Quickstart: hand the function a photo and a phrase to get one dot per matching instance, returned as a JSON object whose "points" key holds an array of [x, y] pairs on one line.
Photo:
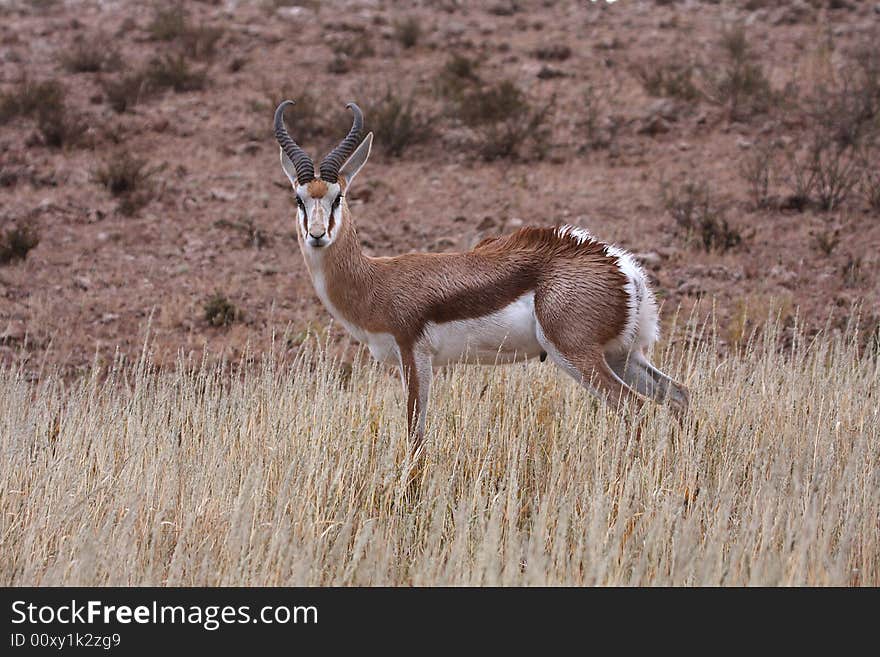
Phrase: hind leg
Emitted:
{"points": [[589, 368], [638, 372]]}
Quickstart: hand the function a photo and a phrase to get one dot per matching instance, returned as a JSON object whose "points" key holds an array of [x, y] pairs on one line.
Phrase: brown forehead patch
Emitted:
{"points": [[317, 188]]}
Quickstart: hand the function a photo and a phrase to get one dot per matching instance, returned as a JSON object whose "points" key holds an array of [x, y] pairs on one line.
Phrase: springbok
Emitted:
{"points": [[536, 292]]}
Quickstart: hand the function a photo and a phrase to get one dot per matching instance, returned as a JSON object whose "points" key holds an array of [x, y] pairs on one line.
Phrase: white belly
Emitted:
{"points": [[502, 337]]}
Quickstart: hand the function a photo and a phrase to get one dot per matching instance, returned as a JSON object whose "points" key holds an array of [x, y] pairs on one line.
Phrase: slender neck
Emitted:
{"points": [[343, 271]]}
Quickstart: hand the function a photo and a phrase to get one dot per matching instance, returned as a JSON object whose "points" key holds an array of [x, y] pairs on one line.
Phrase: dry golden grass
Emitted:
{"points": [[292, 473]]}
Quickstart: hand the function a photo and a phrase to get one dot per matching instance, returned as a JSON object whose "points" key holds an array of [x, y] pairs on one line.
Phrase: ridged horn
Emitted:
{"points": [[305, 168], [337, 157]]}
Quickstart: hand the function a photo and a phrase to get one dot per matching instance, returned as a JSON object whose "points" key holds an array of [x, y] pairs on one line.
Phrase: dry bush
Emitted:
{"points": [[598, 128], [823, 171], [672, 79], [871, 183], [28, 98], [127, 178], [169, 71], [398, 123], [126, 91], [174, 72], [458, 75], [293, 472], [220, 311], [408, 31], [57, 125], [699, 218], [173, 24], [741, 84], [557, 52], [16, 242], [506, 121], [756, 168], [89, 55]]}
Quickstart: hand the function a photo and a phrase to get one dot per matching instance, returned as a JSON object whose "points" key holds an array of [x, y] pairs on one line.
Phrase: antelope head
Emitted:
{"points": [[321, 211]]}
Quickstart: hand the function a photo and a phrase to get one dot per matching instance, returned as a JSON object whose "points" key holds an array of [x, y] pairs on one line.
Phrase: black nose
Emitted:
{"points": [[317, 237]]}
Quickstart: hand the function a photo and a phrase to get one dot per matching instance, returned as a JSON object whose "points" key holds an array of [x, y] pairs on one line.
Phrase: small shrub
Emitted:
{"points": [[339, 65], [852, 272], [557, 52], [824, 169], [505, 120], [871, 184], [17, 242], [698, 217], [826, 240], [408, 31], [398, 124], [598, 133], [59, 127], [88, 56], [45, 102], [458, 75], [671, 79], [756, 168], [127, 178], [126, 91], [28, 98], [172, 24], [741, 85], [168, 23], [174, 72], [220, 311]]}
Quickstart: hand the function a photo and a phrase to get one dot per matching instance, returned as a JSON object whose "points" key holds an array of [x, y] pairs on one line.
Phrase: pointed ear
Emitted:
{"points": [[288, 167], [358, 159]]}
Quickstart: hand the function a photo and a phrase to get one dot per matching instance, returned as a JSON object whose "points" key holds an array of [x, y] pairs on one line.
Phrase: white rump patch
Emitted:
{"points": [[642, 326]]}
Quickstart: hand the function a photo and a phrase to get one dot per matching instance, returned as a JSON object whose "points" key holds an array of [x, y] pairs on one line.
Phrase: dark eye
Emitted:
{"points": [[337, 201], [300, 203]]}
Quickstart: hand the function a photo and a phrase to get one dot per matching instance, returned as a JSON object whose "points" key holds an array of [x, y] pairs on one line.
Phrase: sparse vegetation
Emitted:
{"points": [[699, 218], [557, 52], [741, 85], [127, 178], [28, 98], [671, 79], [172, 24], [126, 91], [398, 123], [16, 242], [871, 184], [600, 130], [44, 101], [823, 169], [220, 311], [458, 75], [756, 169], [506, 121], [408, 31], [88, 55], [174, 72]]}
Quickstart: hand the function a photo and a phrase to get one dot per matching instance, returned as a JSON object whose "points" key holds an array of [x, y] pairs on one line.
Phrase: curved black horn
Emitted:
{"points": [[337, 157], [305, 168]]}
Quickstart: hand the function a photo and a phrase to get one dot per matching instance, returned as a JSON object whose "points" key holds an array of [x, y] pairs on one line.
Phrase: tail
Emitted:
{"points": [[642, 328]]}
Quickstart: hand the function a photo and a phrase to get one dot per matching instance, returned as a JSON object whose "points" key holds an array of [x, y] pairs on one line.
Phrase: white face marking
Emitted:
{"points": [[313, 216], [501, 337]]}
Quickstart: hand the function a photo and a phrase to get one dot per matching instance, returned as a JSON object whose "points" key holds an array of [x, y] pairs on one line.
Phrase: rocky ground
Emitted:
{"points": [[654, 124]]}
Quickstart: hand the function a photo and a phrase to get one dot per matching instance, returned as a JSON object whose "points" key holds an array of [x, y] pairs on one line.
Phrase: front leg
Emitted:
{"points": [[416, 372]]}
